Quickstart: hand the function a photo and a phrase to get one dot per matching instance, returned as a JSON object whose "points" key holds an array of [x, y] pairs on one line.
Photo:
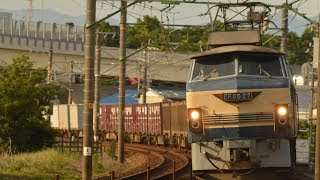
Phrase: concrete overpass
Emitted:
{"points": [[36, 38]]}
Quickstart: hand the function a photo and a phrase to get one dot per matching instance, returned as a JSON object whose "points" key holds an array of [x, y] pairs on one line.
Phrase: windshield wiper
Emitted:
{"points": [[205, 77], [209, 75], [264, 71]]}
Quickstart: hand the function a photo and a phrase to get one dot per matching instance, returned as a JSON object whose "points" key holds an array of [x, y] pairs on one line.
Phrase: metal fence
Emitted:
{"points": [[76, 145], [40, 30]]}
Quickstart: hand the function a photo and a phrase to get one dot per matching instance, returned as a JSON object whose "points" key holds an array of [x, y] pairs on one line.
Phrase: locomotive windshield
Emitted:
{"points": [[259, 65], [256, 64], [213, 66]]}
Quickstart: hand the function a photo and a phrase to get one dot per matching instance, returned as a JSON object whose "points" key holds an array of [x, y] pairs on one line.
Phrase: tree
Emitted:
{"points": [[195, 38], [297, 46], [24, 98], [191, 39], [297, 50], [307, 41], [144, 29], [112, 41], [271, 41]]}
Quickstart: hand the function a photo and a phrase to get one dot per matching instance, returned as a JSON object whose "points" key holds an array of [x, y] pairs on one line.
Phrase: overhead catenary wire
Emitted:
{"points": [[130, 13], [101, 6], [81, 7], [146, 6], [151, 7], [186, 18]]}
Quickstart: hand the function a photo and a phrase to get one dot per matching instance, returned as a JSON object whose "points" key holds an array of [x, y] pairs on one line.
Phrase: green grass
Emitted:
{"points": [[48, 163]]}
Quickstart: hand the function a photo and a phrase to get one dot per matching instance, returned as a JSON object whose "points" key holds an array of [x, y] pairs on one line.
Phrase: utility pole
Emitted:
{"points": [[148, 67], [311, 77], [70, 83], [317, 158], [50, 66], [140, 86], [284, 36], [122, 75], [145, 72], [70, 94], [139, 79], [88, 90], [96, 87]]}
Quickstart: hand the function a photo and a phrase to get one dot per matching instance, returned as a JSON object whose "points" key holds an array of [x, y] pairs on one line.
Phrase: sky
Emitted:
{"points": [[179, 14]]}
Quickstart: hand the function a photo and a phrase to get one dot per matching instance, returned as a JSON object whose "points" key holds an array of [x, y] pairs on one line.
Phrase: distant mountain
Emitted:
{"points": [[50, 16]]}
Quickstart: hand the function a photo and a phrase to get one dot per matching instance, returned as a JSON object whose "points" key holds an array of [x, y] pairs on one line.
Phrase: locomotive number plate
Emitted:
{"points": [[244, 96]]}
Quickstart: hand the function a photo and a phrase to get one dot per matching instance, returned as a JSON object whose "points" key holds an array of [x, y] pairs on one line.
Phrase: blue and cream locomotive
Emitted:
{"points": [[241, 105]]}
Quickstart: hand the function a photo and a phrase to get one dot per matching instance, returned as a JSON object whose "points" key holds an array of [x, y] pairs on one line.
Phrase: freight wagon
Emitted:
{"points": [[154, 123]]}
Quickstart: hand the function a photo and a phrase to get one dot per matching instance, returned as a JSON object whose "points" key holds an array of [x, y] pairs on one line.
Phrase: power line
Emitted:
{"points": [[100, 9], [128, 12], [77, 4]]}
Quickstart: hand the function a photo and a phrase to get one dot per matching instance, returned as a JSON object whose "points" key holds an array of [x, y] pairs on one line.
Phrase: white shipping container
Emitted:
{"points": [[63, 120], [63, 116], [76, 116], [54, 118]]}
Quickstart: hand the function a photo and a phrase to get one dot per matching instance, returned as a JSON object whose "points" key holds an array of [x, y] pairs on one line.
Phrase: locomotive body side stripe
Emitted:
{"points": [[238, 82]]}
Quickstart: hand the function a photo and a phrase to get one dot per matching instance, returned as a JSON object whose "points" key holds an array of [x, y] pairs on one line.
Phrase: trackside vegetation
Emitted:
{"points": [[24, 100], [46, 164], [49, 163]]}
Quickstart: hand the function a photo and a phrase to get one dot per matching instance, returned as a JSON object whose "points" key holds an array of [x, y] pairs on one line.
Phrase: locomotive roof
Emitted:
{"points": [[237, 48]]}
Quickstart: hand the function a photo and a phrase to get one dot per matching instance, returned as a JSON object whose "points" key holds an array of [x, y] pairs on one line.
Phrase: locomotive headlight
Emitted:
{"points": [[281, 113], [195, 120], [282, 110], [195, 115]]}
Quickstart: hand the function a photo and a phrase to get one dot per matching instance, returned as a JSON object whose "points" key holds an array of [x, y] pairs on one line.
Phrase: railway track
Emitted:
{"points": [[165, 169]]}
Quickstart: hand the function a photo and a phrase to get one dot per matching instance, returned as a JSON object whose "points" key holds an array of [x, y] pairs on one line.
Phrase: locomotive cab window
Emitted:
{"points": [[260, 65], [213, 67]]}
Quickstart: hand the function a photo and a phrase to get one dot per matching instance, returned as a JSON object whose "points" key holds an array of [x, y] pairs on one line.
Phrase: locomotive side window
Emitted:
{"points": [[213, 67], [262, 65]]}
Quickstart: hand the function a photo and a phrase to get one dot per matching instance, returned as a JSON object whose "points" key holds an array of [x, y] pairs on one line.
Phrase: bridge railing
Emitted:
{"points": [[40, 30], [40, 36]]}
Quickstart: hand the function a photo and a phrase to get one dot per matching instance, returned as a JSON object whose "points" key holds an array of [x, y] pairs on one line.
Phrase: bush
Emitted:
{"points": [[24, 98]]}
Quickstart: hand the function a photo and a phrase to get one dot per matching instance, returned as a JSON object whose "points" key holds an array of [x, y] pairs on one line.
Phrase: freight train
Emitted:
{"points": [[242, 106], [155, 123]]}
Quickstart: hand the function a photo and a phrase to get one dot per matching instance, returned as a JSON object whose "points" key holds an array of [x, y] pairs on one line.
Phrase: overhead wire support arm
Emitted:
{"points": [[134, 53], [289, 6], [303, 16], [294, 2], [281, 6], [110, 15], [174, 2], [248, 4], [173, 25]]}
